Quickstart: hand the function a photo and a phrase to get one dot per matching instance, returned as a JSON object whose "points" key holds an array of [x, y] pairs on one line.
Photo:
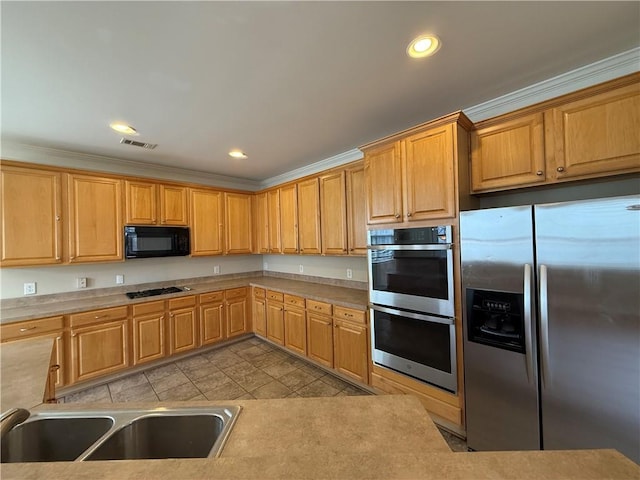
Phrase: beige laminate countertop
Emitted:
{"points": [[346, 297]]}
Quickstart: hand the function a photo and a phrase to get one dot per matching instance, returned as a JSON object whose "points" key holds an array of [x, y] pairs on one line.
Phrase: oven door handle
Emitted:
{"points": [[415, 316], [435, 246]]}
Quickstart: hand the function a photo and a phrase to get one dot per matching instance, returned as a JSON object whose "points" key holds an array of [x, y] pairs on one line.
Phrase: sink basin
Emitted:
{"points": [[175, 436], [189, 432], [52, 439]]}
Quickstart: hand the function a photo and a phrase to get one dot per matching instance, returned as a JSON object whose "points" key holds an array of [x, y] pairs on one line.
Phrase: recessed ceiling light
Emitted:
{"points": [[423, 46], [123, 128], [237, 154]]}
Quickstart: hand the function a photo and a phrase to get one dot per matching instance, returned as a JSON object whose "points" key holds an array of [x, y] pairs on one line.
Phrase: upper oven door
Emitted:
{"points": [[412, 277]]}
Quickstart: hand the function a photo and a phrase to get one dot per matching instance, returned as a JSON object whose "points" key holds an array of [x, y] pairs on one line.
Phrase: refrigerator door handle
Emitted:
{"points": [[544, 328], [527, 323]]}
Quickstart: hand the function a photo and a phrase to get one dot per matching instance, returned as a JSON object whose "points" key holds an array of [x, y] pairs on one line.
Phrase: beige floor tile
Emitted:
{"points": [[139, 393], [160, 372], [198, 398], [246, 396], [240, 368], [212, 381], [273, 389], [128, 382], [335, 382], [312, 370], [222, 358], [296, 379], [183, 392], [95, 394], [196, 367], [279, 369], [317, 389], [229, 391], [170, 381], [251, 352], [268, 358], [251, 380]]}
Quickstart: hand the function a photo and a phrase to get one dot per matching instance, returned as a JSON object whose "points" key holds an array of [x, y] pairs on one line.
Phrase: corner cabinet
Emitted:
{"points": [[31, 209], [95, 218]]}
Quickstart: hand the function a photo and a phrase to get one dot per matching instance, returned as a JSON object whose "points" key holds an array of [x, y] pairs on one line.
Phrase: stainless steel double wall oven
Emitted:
{"points": [[412, 303]]}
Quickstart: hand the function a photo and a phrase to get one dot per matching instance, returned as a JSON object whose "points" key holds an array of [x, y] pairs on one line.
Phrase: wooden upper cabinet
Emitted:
{"points": [[289, 218], [309, 217], [356, 210], [508, 154], [596, 135], [333, 205], [260, 223], [30, 205], [141, 203], [95, 218], [429, 183], [150, 203], [273, 211], [206, 207], [384, 184], [173, 205], [238, 222]]}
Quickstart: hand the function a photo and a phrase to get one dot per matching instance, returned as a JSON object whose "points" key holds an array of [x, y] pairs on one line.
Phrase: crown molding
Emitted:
{"points": [[610, 68], [326, 164], [86, 161]]}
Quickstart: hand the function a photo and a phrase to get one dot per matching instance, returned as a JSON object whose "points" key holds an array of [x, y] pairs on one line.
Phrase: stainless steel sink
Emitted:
{"points": [[120, 434]]}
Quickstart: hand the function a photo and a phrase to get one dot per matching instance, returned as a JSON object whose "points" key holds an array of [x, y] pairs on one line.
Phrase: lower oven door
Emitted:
{"points": [[419, 345]]}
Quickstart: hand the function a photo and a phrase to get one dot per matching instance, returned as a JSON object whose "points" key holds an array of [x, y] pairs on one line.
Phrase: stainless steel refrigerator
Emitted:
{"points": [[552, 326]]}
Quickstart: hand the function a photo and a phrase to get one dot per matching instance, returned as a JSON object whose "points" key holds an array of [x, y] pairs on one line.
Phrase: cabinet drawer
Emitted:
{"points": [[277, 296], [98, 316], [212, 297], [183, 302], [13, 331], [319, 307], [146, 308], [351, 315], [293, 300], [236, 292], [259, 292]]}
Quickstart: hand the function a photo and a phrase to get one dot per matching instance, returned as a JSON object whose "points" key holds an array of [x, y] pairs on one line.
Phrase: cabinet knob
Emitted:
{"points": [[560, 169], [54, 368], [302, 249], [409, 214], [539, 173], [397, 215], [57, 218]]}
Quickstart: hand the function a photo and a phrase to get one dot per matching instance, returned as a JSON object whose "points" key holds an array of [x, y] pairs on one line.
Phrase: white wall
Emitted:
{"points": [[318, 266], [58, 279]]}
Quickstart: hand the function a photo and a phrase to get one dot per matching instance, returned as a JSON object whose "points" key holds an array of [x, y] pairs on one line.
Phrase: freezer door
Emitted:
{"points": [[589, 273], [501, 386]]}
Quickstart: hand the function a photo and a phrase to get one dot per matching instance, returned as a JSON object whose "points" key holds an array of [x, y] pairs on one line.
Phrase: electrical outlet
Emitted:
{"points": [[81, 282], [216, 269], [300, 268], [30, 288], [119, 279], [349, 273]]}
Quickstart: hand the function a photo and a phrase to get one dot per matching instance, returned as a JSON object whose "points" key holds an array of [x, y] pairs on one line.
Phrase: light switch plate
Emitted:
{"points": [[119, 279], [216, 269], [30, 288], [301, 268]]}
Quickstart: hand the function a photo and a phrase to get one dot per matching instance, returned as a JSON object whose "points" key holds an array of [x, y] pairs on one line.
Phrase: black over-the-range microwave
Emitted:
{"points": [[149, 242]]}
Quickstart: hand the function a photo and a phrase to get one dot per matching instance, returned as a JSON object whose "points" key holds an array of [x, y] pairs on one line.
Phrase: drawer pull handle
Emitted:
{"points": [[100, 316], [539, 173], [560, 169], [26, 329], [55, 368], [348, 315]]}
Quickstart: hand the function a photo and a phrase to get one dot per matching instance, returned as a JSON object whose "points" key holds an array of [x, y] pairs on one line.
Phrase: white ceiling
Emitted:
{"points": [[290, 83]]}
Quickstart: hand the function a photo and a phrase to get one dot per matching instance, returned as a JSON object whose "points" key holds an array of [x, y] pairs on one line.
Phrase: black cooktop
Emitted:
{"points": [[153, 292]]}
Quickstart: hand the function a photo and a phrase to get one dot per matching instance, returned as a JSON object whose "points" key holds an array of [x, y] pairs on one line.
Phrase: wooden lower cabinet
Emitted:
{"points": [[148, 327], [351, 347], [275, 317], [237, 311], [212, 318], [183, 325], [320, 338], [99, 349], [295, 326], [259, 311]]}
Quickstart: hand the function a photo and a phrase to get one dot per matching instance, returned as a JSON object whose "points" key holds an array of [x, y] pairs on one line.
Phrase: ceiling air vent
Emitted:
{"points": [[150, 146]]}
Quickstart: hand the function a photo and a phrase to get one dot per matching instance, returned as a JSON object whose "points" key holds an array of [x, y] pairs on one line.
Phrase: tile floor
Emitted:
{"points": [[250, 369]]}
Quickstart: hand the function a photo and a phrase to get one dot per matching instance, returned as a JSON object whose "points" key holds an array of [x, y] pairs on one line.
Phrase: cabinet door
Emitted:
{"points": [[356, 211], [30, 205], [320, 338], [59, 364], [383, 173], [260, 316], [238, 223], [350, 350], [95, 219], [429, 183], [273, 209], [275, 322], [237, 317], [141, 203], [295, 330], [98, 350], [182, 325], [212, 323], [508, 154], [173, 205], [148, 337], [206, 222], [289, 218], [333, 208], [309, 217], [260, 223], [595, 136]]}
